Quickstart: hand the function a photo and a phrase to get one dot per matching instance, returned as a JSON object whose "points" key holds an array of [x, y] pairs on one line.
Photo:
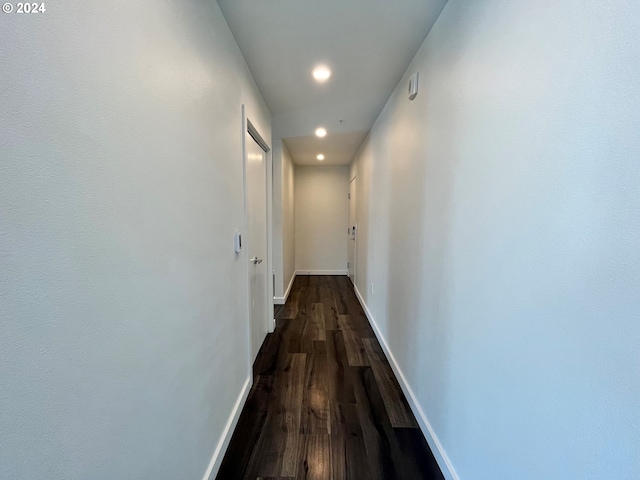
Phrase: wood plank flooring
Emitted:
{"points": [[325, 404]]}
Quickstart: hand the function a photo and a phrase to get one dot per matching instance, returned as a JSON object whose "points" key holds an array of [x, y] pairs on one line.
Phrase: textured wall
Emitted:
{"points": [[321, 217], [499, 224], [123, 329]]}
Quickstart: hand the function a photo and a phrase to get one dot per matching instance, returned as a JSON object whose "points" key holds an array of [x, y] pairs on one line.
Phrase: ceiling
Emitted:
{"points": [[367, 44]]}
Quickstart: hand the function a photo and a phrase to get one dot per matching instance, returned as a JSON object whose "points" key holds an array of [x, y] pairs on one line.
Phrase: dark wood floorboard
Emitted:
{"points": [[350, 452], [291, 307], [276, 452], [325, 404], [293, 386], [396, 404], [315, 457], [315, 396], [356, 354], [340, 386], [313, 329]]}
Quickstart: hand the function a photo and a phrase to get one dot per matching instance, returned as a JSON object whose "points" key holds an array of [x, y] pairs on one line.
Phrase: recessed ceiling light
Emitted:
{"points": [[321, 73], [321, 132], [320, 157]]}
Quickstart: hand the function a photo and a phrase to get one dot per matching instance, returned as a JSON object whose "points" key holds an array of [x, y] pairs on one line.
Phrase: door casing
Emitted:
{"points": [[250, 131]]}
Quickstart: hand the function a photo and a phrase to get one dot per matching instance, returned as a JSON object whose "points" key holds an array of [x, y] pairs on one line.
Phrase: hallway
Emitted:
{"points": [[172, 169], [325, 403]]}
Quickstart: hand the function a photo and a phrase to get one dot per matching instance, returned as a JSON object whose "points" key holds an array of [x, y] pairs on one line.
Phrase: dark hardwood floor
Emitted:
{"points": [[325, 404]]}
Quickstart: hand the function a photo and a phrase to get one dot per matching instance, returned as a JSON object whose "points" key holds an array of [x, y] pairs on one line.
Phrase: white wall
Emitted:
{"points": [[321, 217], [124, 342], [283, 219], [499, 224], [288, 218]]}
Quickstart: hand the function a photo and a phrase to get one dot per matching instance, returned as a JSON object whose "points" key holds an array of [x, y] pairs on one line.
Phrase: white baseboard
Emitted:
{"points": [[283, 300], [225, 438], [322, 272], [432, 439]]}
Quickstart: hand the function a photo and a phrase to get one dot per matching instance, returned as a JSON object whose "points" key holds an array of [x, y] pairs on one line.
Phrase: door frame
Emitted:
{"points": [[248, 128]]}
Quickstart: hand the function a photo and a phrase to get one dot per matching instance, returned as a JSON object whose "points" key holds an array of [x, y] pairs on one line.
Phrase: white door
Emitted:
{"points": [[352, 231], [256, 184]]}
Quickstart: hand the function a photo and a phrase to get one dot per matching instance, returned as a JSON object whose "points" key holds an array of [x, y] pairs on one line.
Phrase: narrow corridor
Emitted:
{"points": [[325, 403]]}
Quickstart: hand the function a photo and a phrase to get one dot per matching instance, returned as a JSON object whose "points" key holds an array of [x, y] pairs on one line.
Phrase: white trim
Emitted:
{"points": [[223, 443], [322, 272], [270, 278], [283, 300], [244, 252], [286, 294], [432, 439]]}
